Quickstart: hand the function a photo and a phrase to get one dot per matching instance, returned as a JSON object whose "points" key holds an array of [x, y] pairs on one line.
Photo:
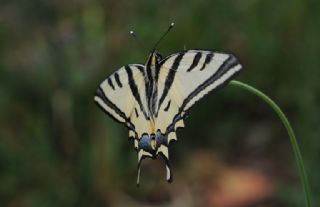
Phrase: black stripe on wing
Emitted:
{"points": [[168, 106], [134, 90], [116, 77], [112, 106], [139, 67], [136, 111], [207, 60], [170, 78], [110, 83], [195, 61]]}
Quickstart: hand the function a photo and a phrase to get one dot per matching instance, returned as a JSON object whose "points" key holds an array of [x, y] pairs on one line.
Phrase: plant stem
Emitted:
{"points": [[293, 140]]}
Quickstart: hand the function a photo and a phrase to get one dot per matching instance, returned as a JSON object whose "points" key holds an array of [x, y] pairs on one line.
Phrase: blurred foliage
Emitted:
{"points": [[58, 149]]}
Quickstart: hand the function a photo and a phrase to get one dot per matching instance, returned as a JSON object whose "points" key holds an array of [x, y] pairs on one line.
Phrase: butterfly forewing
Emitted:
{"points": [[122, 96], [187, 77]]}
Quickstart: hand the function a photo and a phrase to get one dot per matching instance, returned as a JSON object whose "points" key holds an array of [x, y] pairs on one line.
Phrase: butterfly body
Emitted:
{"points": [[152, 100]]}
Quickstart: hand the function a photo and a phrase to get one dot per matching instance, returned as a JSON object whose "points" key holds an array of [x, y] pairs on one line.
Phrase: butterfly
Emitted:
{"points": [[153, 99]]}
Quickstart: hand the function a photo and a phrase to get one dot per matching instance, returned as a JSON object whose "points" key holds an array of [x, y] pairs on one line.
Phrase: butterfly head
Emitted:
{"points": [[155, 58], [157, 55]]}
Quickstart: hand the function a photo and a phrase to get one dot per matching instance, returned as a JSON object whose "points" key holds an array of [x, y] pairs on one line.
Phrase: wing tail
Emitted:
{"points": [[142, 154], [164, 153]]}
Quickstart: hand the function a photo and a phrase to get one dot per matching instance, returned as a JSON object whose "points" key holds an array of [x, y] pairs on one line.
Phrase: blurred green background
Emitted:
{"points": [[57, 148]]}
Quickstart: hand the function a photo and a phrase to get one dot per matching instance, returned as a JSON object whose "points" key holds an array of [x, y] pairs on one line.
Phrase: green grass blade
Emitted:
{"points": [[293, 140]]}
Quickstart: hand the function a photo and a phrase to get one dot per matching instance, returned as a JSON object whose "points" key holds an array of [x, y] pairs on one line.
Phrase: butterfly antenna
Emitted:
{"points": [[157, 43]]}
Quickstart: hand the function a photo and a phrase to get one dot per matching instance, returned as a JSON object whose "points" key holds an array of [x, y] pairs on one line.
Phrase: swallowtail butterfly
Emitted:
{"points": [[152, 100]]}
